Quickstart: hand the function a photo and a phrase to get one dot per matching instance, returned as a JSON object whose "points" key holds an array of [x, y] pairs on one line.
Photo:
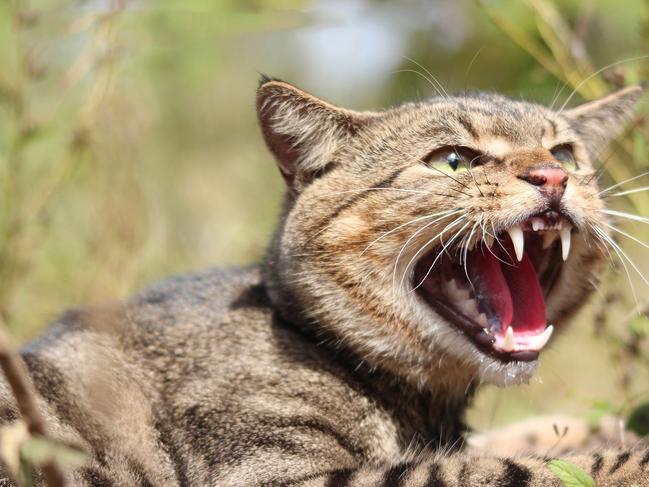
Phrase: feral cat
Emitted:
{"points": [[422, 251]]}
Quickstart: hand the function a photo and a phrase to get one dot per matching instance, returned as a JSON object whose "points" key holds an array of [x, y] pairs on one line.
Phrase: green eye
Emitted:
{"points": [[452, 160], [563, 154]]}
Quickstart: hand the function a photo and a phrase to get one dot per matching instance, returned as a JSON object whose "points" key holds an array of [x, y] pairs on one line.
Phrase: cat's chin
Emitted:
{"points": [[494, 289]]}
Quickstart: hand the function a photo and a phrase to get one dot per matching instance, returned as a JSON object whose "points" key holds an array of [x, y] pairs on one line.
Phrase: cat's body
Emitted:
{"points": [[325, 366], [198, 381]]}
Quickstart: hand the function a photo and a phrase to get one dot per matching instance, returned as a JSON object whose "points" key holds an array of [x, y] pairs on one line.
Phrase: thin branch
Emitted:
{"points": [[15, 372]]}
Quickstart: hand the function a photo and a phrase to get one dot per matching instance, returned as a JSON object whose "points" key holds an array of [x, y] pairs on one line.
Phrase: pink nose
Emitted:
{"points": [[547, 176]]}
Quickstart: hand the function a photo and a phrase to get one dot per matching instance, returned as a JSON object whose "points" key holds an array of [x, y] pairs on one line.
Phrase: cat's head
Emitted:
{"points": [[441, 239]]}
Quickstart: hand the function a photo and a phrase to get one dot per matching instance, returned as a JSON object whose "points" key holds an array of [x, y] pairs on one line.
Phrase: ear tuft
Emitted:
{"points": [[302, 131], [598, 122], [264, 78]]}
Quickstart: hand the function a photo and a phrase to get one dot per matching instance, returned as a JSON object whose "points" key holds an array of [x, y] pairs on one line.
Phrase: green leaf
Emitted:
{"points": [[639, 420], [639, 326], [570, 474], [39, 451]]}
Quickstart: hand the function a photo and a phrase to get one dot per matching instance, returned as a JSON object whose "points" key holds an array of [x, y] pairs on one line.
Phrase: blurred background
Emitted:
{"points": [[129, 149]]}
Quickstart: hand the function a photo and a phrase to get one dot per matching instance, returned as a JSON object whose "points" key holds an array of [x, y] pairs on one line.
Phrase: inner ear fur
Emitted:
{"points": [[302, 131], [600, 121]]}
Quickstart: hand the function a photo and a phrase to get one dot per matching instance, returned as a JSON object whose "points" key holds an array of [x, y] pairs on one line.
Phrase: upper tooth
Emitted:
{"points": [[565, 241], [489, 240], [537, 224], [516, 234], [548, 238], [469, 307], [508, 344], [542, 339]]}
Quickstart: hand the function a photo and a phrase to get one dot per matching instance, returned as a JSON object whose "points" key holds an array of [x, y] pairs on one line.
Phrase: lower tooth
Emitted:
{"points": [[469, 307], [541, 340], [482, 320], [508, 344]]}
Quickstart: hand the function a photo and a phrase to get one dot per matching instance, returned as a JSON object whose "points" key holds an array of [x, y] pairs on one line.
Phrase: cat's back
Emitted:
{"points": [[195, 380]]}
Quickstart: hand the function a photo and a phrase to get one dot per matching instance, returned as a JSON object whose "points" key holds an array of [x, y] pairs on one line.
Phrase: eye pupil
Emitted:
{"points": [[453, 160]]}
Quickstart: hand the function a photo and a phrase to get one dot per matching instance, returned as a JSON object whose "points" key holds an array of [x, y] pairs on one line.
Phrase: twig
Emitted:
{"points": [[15, 372]]}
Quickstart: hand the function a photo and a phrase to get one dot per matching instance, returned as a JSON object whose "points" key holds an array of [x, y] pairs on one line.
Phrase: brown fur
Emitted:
{"points": [[316, 368]]}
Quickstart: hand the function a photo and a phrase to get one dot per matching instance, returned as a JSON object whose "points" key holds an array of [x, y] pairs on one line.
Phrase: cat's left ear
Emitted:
{"points": [[302, 131], [598, 122]]}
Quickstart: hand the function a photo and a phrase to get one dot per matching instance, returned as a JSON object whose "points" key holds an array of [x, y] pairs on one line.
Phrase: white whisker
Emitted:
{"points": [[431, 75], [620, 253], [628, 235], [628, 216], [444, 213], [585, 80], [629, 191], [439, 254], [402, 190], [405, 245], [616, 185]]}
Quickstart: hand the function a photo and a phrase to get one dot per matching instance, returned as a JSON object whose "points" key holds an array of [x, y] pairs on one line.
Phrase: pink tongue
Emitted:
{"points": [[512, 290], [525, 288], [490, 284]]}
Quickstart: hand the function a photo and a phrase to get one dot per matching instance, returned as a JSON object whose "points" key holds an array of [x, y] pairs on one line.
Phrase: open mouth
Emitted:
{"points": [[495, 291]]}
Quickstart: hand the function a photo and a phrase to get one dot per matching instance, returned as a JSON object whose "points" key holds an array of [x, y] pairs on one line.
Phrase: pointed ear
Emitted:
{"points": [[598, 122], [302, 131]]}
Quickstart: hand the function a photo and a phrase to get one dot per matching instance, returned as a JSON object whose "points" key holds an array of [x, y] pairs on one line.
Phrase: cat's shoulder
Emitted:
{"points": [[185, 303]]}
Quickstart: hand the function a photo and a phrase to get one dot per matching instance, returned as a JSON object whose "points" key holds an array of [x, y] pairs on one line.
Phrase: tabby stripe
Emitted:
{"points": [[622, 458], [311, 423], [340, 478], [172, 450], [394, 476], [645, 459], [463, 473], [468, 126], [361, 195], [435, 476], [553, 124], [598, 462], [95, 478], [515, 475]]}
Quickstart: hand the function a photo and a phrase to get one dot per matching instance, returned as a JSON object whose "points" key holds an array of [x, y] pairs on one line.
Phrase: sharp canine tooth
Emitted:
{"points": [[548, 238], [508, 344], [543, 338], [565, 234], [489, 240], [516, 234]]}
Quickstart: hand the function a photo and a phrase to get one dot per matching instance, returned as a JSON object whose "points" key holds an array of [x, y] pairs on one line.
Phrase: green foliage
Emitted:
{"points": [[638, 421], [570, 474], [41, 451]]}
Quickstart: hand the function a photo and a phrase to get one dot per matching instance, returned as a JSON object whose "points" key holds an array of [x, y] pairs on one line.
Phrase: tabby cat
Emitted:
{"points": [[422, 251]]}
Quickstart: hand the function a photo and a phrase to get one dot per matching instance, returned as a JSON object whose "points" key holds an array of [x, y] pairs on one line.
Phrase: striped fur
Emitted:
{"points": [[314, 369]]}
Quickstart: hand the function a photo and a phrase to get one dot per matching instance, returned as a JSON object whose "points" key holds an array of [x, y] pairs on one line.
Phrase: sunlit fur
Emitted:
{"points": [[356, 218]]}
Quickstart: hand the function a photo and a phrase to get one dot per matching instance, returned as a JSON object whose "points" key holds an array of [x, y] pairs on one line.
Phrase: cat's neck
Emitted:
{"points": [[429, 410]]}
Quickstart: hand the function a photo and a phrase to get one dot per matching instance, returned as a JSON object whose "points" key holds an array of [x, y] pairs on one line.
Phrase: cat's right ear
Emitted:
{"points": [[302, 131]]}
